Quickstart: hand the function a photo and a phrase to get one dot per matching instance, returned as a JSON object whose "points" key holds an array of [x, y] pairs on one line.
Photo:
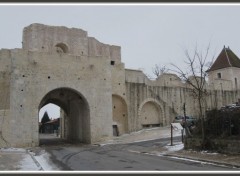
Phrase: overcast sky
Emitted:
{"points": [[147, 34]]}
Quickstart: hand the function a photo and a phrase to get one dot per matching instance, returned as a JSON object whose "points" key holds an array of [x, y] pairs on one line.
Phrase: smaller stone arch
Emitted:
{"points": [[151, 113], [61, 48], [119, 115]]}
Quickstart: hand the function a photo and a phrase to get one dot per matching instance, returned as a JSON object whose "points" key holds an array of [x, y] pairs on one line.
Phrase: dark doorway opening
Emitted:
{"points": [[115, 130]]}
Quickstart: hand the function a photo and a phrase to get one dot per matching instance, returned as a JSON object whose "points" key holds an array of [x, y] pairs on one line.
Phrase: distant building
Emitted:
{"points": [[50, 126], [224, 73]]}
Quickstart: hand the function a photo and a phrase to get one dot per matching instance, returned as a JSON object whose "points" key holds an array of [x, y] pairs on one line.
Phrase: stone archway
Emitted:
{"points": [[151, 114], [76, 110], [120, 115]]}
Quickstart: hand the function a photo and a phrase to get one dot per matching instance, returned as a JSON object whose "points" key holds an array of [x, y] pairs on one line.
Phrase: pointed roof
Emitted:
{"points": [[225, 59]]}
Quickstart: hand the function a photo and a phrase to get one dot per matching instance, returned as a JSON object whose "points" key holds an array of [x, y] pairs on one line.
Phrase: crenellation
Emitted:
{"points": [[44, 38]]}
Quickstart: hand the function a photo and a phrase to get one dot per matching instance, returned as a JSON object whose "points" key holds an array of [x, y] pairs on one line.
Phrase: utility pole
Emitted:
{"points": [[171, 135], [185, 122]]}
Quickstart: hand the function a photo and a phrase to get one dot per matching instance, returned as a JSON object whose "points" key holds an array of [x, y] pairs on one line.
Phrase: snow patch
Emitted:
{"points": [[186, 159], [209, 153], [46, 164], [197, 161], [133, 151], [175, 147], [27, 164], [143, 135], [13, 150]]}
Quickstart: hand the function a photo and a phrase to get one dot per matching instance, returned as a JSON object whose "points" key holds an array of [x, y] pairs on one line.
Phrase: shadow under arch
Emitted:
{"points": [[120, 115], [76, 113]]}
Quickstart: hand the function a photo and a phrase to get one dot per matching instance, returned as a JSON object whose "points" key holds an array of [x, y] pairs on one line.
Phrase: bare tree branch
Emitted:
{"points": [[195, 76], [158, 70]]}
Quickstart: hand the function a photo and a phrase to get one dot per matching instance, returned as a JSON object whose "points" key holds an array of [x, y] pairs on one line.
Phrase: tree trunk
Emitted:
{"points": [[202, 121]]}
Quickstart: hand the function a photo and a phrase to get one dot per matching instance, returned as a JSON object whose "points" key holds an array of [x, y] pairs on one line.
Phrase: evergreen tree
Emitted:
{"points": [[45, 118]]}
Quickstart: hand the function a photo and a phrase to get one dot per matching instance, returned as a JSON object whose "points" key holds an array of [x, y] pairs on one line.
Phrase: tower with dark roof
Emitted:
{"points": [[225, 71]]}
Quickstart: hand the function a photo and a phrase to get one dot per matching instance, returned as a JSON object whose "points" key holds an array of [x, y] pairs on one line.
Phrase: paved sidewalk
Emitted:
{"points": [[23, 159], [143, 135], [12, 159]]}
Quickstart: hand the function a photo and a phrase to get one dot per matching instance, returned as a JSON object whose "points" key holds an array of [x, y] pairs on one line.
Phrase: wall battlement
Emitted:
{"points": [[60, 39]]}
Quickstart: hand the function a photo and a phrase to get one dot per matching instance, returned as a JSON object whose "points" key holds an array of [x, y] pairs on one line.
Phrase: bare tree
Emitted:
{"points": [[158, 70], [146, 74], [195, 77]]}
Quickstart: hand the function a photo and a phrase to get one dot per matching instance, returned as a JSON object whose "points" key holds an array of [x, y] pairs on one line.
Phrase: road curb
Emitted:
{"points": [[203, 160], [35, 161]]}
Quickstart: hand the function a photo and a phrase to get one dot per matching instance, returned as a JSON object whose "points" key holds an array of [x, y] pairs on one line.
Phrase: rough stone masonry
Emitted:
{"points": [[88, 81]]}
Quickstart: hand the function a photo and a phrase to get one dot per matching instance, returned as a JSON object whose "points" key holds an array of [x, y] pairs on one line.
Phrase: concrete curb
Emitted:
{"points": [[35, 161], [203, 160]]}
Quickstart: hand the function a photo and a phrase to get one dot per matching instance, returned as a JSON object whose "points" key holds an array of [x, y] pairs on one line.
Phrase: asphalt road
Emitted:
{"points": [[122, 157]]}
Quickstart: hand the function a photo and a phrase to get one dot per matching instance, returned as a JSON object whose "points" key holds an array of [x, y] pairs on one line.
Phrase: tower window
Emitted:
{"points": [[219, 75], [112, 62]]}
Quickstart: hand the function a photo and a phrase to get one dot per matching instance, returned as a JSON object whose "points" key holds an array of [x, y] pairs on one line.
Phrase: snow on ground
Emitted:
{"points": [[32, 162], [39, 162], [28, 161], [187, 159], [209, 153], [23, 161], [144, 135], [46, 164], [199, 161], [175, 147], [12, 150], [27, 164]]}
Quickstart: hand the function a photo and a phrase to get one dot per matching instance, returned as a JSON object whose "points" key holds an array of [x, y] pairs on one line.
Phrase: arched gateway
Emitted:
{"points": [[76, 119]]}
